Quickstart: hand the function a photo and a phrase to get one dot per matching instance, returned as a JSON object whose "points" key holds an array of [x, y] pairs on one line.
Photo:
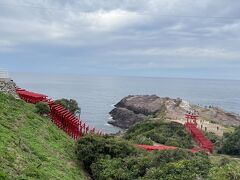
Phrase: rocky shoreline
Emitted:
{"points": [[136, 108]]}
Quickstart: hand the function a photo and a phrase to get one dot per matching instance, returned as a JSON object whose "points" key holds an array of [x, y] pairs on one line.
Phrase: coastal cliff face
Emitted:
{"points": [[132, 109], [8, 87]]}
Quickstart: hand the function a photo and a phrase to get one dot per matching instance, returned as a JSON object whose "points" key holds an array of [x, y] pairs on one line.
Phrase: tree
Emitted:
{"points": [[70, 104], [42, 108], [92, 147], [231, 143], [107, 157]]}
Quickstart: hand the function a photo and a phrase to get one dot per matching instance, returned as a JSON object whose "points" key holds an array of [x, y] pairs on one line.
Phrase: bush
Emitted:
{"points": [[172, 133], [229, 171], [216, 140], [175, 164], [230, 143], [107, 168], [108, 157], [70, 104], [120, 168], [140, 139], [42, 108], [183, 169], [91, 147]]}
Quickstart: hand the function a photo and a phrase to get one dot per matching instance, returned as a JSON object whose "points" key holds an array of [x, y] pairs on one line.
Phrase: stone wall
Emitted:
{"points": [[8, 86]]}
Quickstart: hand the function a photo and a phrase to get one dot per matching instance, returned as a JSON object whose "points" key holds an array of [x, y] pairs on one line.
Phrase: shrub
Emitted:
{"points": [[107, 168], [70, 104], [183, 169], [42, 108], [91, 147], [231, 143], [172, 133], [140, 139], [107, 157], [229, 171], [175, 164]]}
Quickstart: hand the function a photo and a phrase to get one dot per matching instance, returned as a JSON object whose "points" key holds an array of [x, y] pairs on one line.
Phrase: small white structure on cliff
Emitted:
{"points": [[7, 86], [4, 75]]}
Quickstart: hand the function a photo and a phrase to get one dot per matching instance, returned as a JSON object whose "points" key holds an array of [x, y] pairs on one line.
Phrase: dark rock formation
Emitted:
{"points": [[132, 109], [125, 117]]}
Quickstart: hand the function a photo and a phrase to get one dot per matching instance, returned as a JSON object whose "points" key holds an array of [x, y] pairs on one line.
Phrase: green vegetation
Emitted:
{"points": [[117, 158], [112, 158], [216, 140], [70, 104], [32, 147], [231, 143], [167, 133], [229, 171], [224, 167], [91, 147], [42, 108]]}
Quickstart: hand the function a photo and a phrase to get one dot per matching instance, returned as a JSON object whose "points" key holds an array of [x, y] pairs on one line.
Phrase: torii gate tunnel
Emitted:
{"points": [[31, 97], [197, 134], [63, 118]]}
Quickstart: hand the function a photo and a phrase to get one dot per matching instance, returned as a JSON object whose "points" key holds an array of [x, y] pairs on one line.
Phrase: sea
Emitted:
{"points": [[97, 95]]}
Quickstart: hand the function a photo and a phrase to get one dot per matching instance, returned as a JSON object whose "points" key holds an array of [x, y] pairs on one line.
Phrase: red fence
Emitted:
{"points": [[60, 116]]}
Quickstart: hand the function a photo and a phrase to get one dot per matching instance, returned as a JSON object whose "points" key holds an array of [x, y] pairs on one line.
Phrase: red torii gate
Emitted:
{"points": [[191, 117], [60, 116], [31, 97], [199, 137], [197, 134]]}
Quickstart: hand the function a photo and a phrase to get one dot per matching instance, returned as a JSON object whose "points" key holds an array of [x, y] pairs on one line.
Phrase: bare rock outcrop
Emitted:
{"points": [[7, 86], [132, 109]]}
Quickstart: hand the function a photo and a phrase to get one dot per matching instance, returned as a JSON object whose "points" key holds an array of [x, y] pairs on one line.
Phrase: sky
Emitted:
{"points": [[155, 38]]}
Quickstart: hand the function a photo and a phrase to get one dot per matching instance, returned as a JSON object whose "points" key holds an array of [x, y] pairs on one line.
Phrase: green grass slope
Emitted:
{"points": [[156, 131], [31, 147]]}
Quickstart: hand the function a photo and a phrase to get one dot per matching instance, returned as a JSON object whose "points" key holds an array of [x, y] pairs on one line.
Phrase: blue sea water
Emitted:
{"points": [[97, 94]]}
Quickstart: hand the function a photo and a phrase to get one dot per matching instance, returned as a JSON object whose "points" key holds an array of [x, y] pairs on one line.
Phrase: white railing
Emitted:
{"points": [[4, 74]]}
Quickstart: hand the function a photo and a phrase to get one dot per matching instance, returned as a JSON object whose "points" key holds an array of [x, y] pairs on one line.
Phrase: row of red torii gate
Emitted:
{"points": [[60, 116], [76, 128]]}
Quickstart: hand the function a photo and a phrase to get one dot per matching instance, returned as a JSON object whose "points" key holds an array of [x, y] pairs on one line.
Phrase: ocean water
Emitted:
{"points": [[97, 95]]}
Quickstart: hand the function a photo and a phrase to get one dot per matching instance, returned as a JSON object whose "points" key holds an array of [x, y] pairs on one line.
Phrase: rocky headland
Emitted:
{"points": [[136, 108]]}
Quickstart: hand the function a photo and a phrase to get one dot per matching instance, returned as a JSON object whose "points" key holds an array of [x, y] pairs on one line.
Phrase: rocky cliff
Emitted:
{"points": [[7, 86], [132, 109]]}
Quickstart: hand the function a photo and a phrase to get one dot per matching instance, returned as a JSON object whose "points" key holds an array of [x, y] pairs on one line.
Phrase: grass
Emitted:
{"points": [[218, 159], [31, 147], [160, 132]]}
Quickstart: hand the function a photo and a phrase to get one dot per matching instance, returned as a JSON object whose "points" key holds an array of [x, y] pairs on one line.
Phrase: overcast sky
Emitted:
{"points": [[163, 38]]}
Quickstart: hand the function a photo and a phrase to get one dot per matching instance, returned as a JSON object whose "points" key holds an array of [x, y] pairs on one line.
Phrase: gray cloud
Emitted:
{"points": [[127, 33]]}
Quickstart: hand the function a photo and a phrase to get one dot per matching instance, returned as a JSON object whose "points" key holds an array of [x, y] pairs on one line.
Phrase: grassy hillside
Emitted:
{"points": [[161, 132], [31, 147]]}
